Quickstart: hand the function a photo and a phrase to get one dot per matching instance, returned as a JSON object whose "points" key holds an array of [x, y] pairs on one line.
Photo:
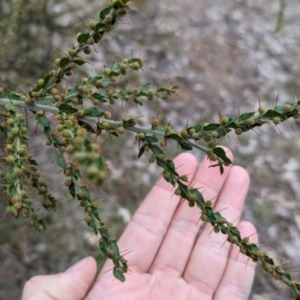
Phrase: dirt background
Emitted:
{"points": [[224, 56]]}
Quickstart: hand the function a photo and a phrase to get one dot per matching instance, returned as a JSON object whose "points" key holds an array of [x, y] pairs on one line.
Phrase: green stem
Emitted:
{"points": [[204, 149], [46, 108], [36, 107]]}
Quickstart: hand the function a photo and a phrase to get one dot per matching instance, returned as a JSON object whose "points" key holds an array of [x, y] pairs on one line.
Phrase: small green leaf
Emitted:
{"points": [[63, 62], [101, 164], [246, 116], [99, 97], [12, 210], [118, 4], [160, 128], [103, 247], [77, 174], [235, 231], [71, 91], [61, 161], [83, 37], [128, 122], [222, 132], [222, 154], [13, 95], [119, 275], [93, 79], [211, 126], [32, 161], [72, 189], [115, 67], [113, 74], [104, 12], [155, 149], [97, 36], [183, 189], [174, 136], [79, 62], [185, 146], [115, 248], [43, 121], [141, 152], [56, 142], [133, 60], [11, 107], [171, 167], [93, 225], [150, 140], [273, 113], [93, 112], [68, 109], [145, 87], [46, 80], [170, 180], [46, 100], [161, 90], [86, 126], [210, 214], [174, 88]]}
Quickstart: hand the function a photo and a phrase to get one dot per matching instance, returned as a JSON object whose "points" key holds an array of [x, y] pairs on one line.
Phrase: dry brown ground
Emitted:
{"points": [[224, 56]]}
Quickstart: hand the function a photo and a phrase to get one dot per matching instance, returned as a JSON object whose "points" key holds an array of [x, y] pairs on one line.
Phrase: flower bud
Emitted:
{"points": [[92, 25], [87, 50], [238, 131], [57, 61], [276, 120], [261, 109], [142, 135], [154, 123], [224, 120], [107, 115], [151, 159], [121, 130], [184, 133], [40, 82], [214, 134], [250, 121], [72, 52], [99, 83]]}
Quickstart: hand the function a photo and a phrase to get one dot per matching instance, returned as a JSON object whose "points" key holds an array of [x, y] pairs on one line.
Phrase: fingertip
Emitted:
{"points": [[239, 176], [184, 160], [88, 263]]}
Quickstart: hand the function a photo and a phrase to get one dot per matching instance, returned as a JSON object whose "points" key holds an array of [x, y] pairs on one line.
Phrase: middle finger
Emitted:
{"points": [[184, 227], [210, 254]]}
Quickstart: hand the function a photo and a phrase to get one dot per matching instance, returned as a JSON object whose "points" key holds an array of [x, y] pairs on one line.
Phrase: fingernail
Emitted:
{"points": [[77, 266]]}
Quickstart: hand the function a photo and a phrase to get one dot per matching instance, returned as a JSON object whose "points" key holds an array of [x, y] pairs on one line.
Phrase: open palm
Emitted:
{"points": [[171, 257], [170, 254]]}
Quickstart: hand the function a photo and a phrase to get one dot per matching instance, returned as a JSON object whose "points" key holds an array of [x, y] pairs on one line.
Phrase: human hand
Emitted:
{"points": [[170, 259]]}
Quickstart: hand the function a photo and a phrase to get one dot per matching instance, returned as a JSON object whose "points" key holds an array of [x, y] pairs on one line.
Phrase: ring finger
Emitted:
{"points": [[210, 253]]}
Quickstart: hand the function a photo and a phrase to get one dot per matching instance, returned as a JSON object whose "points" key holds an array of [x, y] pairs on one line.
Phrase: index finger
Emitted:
{"points": [[146, 230]]}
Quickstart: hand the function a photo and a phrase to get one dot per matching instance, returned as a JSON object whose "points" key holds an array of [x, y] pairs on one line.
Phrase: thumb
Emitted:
{"points": [[72, 284]]}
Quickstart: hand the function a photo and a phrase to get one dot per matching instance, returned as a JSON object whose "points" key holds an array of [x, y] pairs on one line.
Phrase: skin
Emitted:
{"points": [[170, 257]]}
